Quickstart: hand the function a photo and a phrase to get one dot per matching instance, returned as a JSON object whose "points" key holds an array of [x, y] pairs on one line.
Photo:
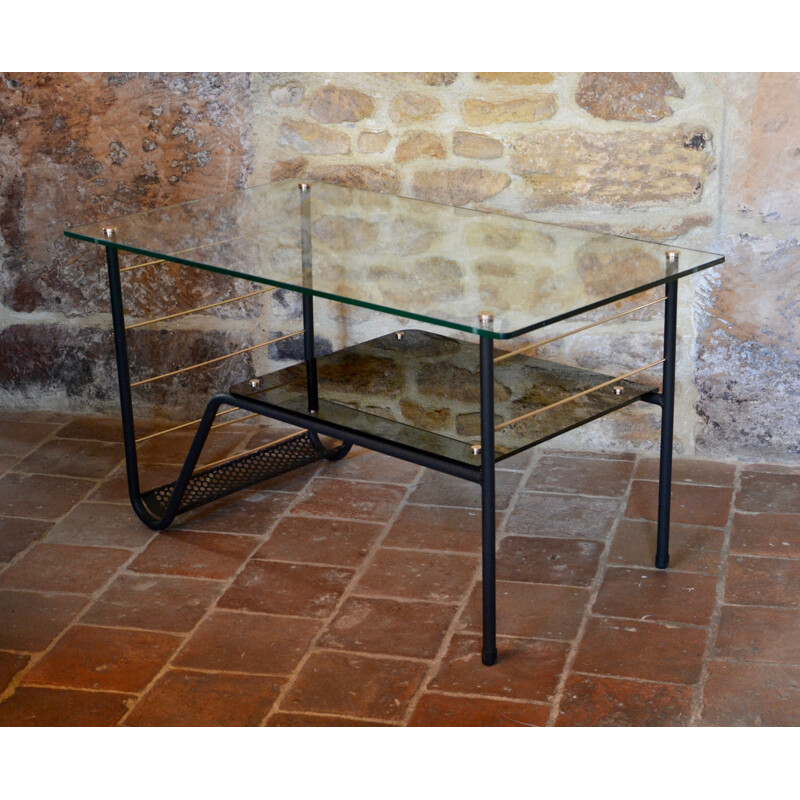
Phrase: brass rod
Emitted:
{"points": [[199, 308], [215, 360], [195, 421], [179, 252], [247, 452], [576, 396], [232, 421], [577, 330], [179, 427]]}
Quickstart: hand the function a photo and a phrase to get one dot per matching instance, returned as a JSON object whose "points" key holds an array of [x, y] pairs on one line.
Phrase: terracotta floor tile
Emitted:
{"points": [[364, 465], [181, 698], [748, 633], [568, 562], [581, 475], [101, 524], [443, 710], [292, 482], [64, 568], [7, 462], [10, 665], [238, 642], [525, 669], [563, 516], [648, 650], [194, 554], [275, 587], [436, 528], [153, 602], [355, 685], [114, 488], [29, 621], [49, 708], [281, 719], [691, 505], [172, 448], [439, 489], [16, 534], [103, 429], [439, 577], [657, 595], [751, 695], [531, 609], [689, 470], [769, 491], [765, 534], [329, 497], [104, 658], [391, 627], [40, 496], [18, 438], [590, 701], [342, 543], [763, 581], [692, 548], [248, 512], [76, 458]]}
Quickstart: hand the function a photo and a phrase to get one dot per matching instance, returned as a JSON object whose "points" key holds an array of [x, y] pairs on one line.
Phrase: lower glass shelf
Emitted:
{"points": [[422, 390]]}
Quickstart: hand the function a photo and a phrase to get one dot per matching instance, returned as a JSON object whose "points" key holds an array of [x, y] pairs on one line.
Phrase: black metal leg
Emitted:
{"points": [[489, 653], [158, 507], [309, 354], [124, 381], [667, 420]]}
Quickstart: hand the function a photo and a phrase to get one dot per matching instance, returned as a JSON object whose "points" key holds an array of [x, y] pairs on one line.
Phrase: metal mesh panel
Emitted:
{"points": [[231, 476]]}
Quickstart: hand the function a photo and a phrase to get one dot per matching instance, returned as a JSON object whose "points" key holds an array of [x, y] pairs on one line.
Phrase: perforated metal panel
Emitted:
{"points": [[222, 480]]}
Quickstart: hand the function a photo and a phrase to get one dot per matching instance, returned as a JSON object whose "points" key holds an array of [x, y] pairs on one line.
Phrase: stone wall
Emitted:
{"points": [[707, 161]]}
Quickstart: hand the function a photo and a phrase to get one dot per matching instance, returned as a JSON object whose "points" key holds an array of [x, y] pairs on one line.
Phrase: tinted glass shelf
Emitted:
{"points": [[422, 390]]}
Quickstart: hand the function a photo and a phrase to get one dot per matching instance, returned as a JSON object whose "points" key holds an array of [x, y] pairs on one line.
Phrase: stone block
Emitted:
{"points": [[417, 144], [622, 169], [514, 78], [476, 145], [459, 186], [307, 137], [482, 113], [627, 96], [413, 107], [747, 350], [336, 104], [89, 146], [765, 153], [357, 176], [373, 141]]}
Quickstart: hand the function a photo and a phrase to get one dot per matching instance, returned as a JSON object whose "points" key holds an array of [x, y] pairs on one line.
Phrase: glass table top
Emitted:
{"points": [[415, 259]]}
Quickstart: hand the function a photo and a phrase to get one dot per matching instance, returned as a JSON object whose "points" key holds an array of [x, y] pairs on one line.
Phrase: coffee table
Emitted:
{"points": [[441, 387]]}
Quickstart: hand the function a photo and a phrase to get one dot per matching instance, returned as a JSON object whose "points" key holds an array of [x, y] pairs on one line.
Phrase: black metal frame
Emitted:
{"points": [[157, 508]]}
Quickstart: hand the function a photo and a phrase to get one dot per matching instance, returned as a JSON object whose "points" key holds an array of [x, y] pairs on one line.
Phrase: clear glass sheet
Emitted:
{"points": [[423, 390], [415, 259]]}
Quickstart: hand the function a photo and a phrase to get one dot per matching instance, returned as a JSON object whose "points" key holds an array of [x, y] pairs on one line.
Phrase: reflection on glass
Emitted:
{"points": [[416, 259], [424, 391]]}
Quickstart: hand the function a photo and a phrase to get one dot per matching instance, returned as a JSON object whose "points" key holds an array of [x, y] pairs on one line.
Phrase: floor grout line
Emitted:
{"points": [[713, 626], [432, 665], [594, 590], [437, 662], [312, 646]]}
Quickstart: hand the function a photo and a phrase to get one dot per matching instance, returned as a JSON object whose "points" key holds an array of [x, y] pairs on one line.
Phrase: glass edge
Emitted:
{"points": [[464, 328], [613, 299]]}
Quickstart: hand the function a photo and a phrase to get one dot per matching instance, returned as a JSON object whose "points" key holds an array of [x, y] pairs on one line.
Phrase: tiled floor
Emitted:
{"points": [[349, 593]]}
